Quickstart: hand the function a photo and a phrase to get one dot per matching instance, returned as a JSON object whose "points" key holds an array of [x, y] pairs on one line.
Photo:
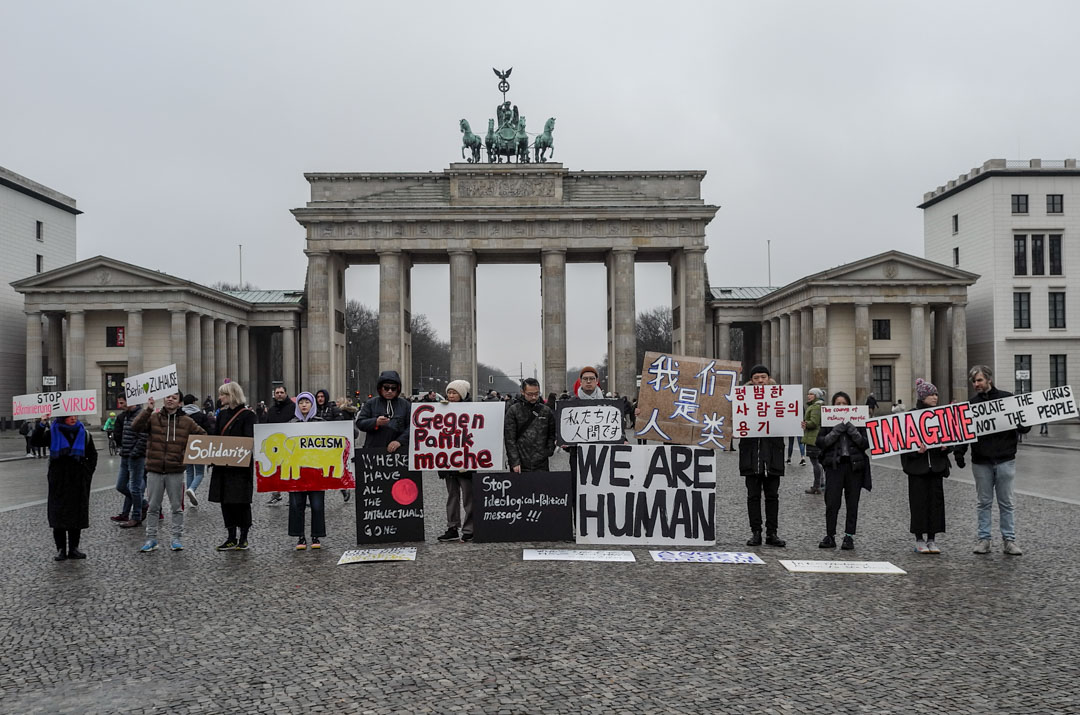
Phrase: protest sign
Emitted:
{"points": [[686, 400], [645, 494], [588, 421], [222, 451], [838, 414], [54, 404], [841, 567], [577, 555], [768, 411], [1030, 408], [156, 383], [362, 556], [706, 557], [389, 498], [303, 456], [465, 436], [940, 426], [531, 506]]}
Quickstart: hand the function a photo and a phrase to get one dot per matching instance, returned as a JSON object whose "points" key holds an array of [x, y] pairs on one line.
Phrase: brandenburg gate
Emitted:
{"points": [[473, 213]]}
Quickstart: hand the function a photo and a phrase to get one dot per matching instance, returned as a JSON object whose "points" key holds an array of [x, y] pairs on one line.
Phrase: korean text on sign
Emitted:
{"points": [[768, 411]]}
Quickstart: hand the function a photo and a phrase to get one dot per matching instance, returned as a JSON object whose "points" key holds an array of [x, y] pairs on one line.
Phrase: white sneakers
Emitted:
{"points": [[191, 498]]}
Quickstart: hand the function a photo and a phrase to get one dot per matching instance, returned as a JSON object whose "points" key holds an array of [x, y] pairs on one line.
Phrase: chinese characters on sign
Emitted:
{"points": [[687, 400], [768, 411]]}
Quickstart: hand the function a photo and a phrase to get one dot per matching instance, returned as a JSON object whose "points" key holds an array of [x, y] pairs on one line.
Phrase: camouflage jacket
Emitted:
{"points": [[529, 447]]}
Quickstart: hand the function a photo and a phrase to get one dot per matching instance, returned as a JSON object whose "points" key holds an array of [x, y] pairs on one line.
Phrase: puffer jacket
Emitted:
{"points": [[132, 443], [812, 418], [529, 447], [167, 438]]}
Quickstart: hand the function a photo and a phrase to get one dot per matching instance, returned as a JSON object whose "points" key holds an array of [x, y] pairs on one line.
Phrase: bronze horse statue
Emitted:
{"points": [[544, 142], [471, 142]]}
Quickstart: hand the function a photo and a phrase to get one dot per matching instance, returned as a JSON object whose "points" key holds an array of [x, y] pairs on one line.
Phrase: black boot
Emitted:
{"points": [[771, 539], [61, 555], [829, 542], [755, 539]]}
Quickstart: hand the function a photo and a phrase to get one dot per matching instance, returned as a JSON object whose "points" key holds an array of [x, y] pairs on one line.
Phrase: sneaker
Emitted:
{"points": [[813, 490], [450, 535], [1011, 549], [802, 462], [315, 543], [788, 461], [275, 498], [148, 547], [346, 495], [129, 524], [774, 540], [192, 499], [920, 547], [176, 546], [848, 544], [120, 517], [931, 548], [242, 546], [466, 538], [829, 542], [983, 547], [228, 545], [301, 544]]}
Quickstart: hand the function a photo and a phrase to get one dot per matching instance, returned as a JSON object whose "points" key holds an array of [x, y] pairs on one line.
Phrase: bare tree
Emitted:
{"points": [[653, 328], [226, 286]]}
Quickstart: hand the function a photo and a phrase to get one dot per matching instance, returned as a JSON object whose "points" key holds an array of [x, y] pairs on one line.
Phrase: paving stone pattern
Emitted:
{"points": [[473, 628]]}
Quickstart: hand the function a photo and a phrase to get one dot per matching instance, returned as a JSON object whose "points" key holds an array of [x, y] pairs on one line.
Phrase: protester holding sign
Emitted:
{"points": [[925, 469], [529, 430], [811, 426], [993, 462], [72, 461], [306, 412], [232, 486], [385, 417], [459, 484], [589, 386], [847, 473], [761, 462]]}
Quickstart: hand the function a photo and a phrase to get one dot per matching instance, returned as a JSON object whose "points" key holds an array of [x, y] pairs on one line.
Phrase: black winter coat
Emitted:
{"points": [[278, 412], [234, 485], [397, 409], [132, 443], [69, 488], [761, 456], [997, 447], [934, 462]]}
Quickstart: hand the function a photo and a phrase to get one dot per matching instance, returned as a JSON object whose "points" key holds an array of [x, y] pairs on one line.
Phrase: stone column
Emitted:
{"points": [[133, 342], [76, 350], [940, 350], [774, 349], [693, 314], [220, 355], [806, 373], [232, 353], [766, 348], [553, 318], [394, 344], [463, 317], [723, 340], [288, 360], [320, 321], [257, 363], [959, 353], [33, 352], [208, 373], [862, 352], [243, 344], [55, 349], [622, 336], [821, 344], [781, 370], [794, 363], [194, 356], [918, 348], [178, 348]]}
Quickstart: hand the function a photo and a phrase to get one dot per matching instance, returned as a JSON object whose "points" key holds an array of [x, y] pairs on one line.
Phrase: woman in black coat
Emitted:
{"points": [[232, 486], [925, 469], [72, 462], [847, 473]]}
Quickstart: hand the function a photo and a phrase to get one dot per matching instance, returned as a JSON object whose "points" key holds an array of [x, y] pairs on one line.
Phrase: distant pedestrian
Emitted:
{"points": [[847, 473], [459, 484], [898, 406], [26, 429], [925, 470], [811, 425], [72, 461], [39, 440], [871, 402]]}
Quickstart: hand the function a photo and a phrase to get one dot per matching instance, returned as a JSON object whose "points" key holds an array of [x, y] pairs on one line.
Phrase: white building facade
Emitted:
{"points": [[1016, 225], [37, 233]]}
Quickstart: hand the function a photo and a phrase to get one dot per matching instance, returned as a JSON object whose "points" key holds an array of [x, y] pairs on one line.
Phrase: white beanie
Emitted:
{"points": [[461, 387]]}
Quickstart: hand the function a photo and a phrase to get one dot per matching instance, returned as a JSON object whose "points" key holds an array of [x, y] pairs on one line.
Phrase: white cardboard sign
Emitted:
{"points": [[841, 567], [360, 556], [54, 404], [576, 555], [155, 383], [832, 415], [1030, 408], [767, 411], [459, 436], [706, 557]]}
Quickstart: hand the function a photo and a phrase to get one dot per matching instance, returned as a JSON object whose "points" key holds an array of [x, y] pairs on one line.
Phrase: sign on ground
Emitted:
{"points": [[361, 556], [577, 555], [841, 567], [706, 557]]}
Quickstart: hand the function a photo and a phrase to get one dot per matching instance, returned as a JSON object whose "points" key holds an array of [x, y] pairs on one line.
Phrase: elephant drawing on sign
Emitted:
{"points": [[286, 458]]}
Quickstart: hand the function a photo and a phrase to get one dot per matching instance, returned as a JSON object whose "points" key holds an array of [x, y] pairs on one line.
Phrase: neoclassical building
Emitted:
{"points": [[873, 325], [98, 320]]}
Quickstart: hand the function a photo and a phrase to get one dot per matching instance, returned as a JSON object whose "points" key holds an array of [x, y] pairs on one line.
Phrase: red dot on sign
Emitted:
{"points": [[404, 491]]}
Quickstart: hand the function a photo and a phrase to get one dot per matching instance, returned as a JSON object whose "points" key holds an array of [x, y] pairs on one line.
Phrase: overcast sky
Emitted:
{"points": [[184, 129]]}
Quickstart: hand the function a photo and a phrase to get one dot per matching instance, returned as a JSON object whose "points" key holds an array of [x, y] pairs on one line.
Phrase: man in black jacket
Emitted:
{"points": [[761, 461], [281, 411], [385, 417], [993, 463]]}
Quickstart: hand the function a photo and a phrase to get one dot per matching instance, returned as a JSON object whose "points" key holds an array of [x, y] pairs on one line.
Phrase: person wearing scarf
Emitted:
{"points": [[72, 461], [306, 412]]}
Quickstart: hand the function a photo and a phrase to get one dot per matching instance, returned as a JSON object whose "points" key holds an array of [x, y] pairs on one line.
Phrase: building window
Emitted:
{"points": [[1019, 203], [1057, 309], [1022, 310], [1019, 255], [1055, 203], [956, 256], [41, 230], [1055, 255], [1023, 373], [882, 329], [956, 223], [1038, 266], [114, 336], [1058, 376], [882, 379], [40, 263]]}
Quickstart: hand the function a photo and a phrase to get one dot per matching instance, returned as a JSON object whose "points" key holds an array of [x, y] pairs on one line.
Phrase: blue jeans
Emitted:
{"points": [[194, 476], [297, 502], [122, 487], [134, 468], [991, 479]]}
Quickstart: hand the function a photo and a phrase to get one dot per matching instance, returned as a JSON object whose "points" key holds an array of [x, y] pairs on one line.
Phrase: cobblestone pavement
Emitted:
{"points": [[473, 628]]}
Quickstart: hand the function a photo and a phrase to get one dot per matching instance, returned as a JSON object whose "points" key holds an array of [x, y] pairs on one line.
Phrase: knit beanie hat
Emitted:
{"points": [[459, 386], [756, 369], [588, 368], [924, 389], [818, 393]]}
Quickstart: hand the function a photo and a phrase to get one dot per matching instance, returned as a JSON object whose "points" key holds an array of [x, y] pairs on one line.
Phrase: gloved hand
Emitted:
{"points": [[960, 461]]}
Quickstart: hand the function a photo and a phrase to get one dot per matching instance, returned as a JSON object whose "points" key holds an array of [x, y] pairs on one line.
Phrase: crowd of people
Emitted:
{"points": [[151, 443]]}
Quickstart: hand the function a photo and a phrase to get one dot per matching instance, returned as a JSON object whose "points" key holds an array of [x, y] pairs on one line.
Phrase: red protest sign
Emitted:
{"points": [[933, 427]]}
